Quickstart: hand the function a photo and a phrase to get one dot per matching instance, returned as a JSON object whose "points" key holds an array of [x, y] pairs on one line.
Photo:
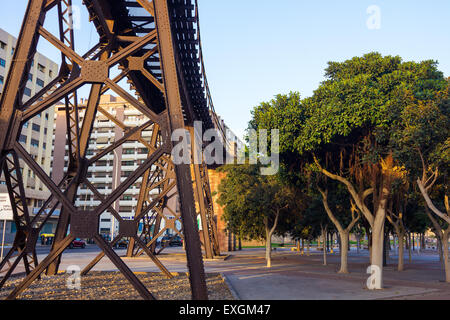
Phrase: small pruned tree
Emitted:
{"points": [[344, 232], [396, 215], [254, 204]]}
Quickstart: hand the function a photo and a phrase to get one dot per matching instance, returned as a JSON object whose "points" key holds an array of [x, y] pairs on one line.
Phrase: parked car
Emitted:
{"points": [[121, 244], [78, 243], [177, 242], [171, 241]]}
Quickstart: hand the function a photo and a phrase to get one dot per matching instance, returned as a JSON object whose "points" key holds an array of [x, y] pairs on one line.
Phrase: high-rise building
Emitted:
{"points": [[110, 171], [37, 133]]}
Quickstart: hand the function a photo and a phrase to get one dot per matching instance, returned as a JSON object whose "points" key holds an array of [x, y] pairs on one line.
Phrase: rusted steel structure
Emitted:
{"points": [[155, 47]]}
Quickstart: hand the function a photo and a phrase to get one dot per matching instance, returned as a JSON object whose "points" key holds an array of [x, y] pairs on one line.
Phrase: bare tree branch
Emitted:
{"points": [[358, 200], [430, 203]]}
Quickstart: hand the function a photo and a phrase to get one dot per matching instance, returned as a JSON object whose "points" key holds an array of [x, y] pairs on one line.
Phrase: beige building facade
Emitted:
{"points": [[37, 133]]}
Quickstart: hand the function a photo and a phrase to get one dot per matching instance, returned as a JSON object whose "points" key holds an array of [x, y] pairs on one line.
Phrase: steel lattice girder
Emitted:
{"points": [[169, 93]]}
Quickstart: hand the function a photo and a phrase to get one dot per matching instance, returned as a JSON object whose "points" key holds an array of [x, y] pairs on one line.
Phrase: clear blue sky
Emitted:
{"points": [[255, 49]]}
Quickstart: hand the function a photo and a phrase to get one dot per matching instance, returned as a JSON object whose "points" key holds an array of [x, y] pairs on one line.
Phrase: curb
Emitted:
{"points": [[230, 286], [217, 258]]}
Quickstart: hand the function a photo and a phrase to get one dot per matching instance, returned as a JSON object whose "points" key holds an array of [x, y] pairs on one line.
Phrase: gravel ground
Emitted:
{"points": [[114, 286]]}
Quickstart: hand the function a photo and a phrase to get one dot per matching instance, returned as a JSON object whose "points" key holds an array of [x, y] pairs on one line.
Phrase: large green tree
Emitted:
{"points": [[353, 126]]}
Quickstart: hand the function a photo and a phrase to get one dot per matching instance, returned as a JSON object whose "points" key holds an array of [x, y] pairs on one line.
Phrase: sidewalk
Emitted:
{"points": [[295, 277]]}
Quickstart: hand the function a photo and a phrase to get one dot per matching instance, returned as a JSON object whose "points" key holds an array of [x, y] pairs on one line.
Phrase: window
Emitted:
{"points": [[128, 151], [101, 163], [12, 51], [23, 138], [128, 163], [27, 92], [41, 68], [26, 124], [2, 45], [1, 79], [2, 62], [36, 127], [35, 143], [127, 198], [44, 146], [45, 130], [50, 73], [126, 174], [103, 130], [30, 77], [39, 82]]}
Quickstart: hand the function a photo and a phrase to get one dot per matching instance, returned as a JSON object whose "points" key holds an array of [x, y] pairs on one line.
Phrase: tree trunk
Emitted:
{"points": [[331, 242], [439, 247], [324, 247], [358, 242], [328, 242], [409, 248], [446, 255], [378, 244], [268, 248], [344, 252], [401, 252], [309, 248], [385, 250], [339, 242]]}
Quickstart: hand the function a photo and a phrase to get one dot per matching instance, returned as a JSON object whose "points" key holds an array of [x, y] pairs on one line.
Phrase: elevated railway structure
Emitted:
{"points": [[148, 53]]}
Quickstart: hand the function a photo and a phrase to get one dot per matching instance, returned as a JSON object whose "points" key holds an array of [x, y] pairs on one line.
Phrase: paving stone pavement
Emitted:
{"points": [[296, 277]]}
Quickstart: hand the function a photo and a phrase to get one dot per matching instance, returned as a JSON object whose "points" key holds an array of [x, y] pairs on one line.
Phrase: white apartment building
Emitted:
{"points": [[105, 175], [38, 132]]}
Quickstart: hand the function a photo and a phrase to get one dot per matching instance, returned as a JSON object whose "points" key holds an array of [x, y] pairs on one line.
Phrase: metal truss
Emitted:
{"points": [[154, 47]]}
